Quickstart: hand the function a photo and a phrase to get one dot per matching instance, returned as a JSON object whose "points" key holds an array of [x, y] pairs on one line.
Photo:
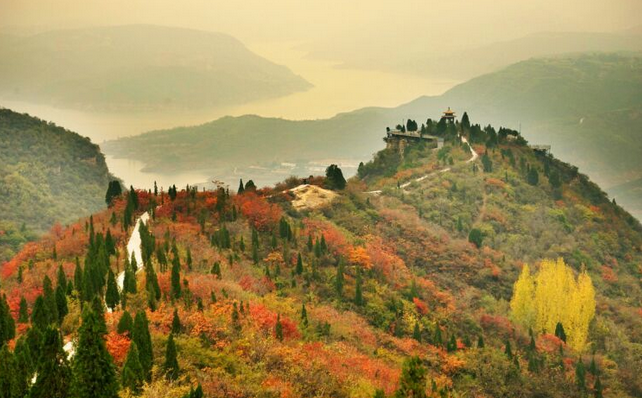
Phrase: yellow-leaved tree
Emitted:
{"points": [[522, 309], [554, 295]]}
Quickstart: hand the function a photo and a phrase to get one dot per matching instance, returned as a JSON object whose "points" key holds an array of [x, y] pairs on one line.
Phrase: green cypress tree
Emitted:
{"points": [[23, 312], [533, 176], [278, 328], [112, 296], [177, 327], [39, 315], [339, 279], [89, 276], [188, 259], [437, 338], [50, 299], [9, 384], [61, 302], [132, 375], [78, 277], [451, 346], [140, 335], [23, 365], [241, 187], [412, 382], [358, 295], [61, 278], [476, 237], [216, 269], [304, 315], [580, 376], [125, 324], [532, 347], [129, 281], [94, 375], [299, 265], [98, 306], [7, 324], [593, 367], [597, 388], [175, 287], [171, 362], [195, 393], [559, 332], [416, 333], [236, 320], [54, 374], [507, 350], [533, 362]]}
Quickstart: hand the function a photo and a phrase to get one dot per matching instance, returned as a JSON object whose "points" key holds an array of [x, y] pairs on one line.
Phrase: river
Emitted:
{"points": [[335, 90]]}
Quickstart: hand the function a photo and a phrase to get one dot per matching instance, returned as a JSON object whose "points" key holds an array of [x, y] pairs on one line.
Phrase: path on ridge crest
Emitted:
{"points": [[473, 157]]}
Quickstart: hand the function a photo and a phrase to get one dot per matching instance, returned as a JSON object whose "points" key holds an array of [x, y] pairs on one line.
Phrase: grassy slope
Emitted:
{"points": [[47, 175], [411, 239]]}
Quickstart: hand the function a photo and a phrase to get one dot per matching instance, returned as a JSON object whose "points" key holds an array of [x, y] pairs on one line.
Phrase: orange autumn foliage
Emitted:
{"points": [[334, 238], [359, 256], [260, 214], [420, 305], [494, 182], [266, 320], [608, 275], [117, 345]]}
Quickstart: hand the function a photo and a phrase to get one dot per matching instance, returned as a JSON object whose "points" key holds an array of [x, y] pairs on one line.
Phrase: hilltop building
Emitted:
{"points": [[449, 115]]}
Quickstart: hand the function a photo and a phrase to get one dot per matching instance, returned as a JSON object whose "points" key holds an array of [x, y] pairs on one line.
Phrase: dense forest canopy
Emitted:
{"points": [[47, 175]]}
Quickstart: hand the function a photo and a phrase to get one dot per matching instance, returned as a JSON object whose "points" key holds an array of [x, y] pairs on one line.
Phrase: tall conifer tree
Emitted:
{"points": [[94, 375]]}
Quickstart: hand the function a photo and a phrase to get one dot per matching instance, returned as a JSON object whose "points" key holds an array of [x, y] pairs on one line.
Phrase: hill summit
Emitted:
{"points": [[464, 262]]}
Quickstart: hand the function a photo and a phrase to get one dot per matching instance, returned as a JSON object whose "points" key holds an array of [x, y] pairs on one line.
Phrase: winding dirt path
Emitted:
{"points": [[473, 156]]}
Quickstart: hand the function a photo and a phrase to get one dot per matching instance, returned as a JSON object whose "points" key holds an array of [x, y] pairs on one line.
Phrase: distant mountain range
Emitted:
{"points": [[468, 63], [47, 175], [587, 106], [138, 67]]}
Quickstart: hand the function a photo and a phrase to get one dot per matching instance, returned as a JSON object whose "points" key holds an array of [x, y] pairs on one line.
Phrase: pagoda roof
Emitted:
{"points": [[449, 112]]}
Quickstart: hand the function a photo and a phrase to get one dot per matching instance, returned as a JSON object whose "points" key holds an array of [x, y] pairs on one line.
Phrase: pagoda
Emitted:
{"points": [[449, 115]]}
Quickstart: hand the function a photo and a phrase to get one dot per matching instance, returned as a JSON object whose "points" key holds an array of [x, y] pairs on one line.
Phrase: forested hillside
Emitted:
{"points": [[47, 175], [388, 289]]}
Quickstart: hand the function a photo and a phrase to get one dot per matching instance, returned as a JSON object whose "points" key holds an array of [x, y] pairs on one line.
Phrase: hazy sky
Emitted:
{"points": [[397, 21]]}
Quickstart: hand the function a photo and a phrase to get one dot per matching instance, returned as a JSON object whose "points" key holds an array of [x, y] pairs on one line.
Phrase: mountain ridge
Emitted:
{"points": [[139, 67]]}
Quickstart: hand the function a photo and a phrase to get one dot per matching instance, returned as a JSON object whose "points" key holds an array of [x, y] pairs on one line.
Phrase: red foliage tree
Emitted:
{"points": [[266, 320], [260, 214], [117, 345]]}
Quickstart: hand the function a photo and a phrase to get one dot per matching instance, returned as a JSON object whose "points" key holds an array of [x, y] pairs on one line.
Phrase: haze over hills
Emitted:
{"points": [[138, 67], [446, 62], [47, 175], [587, 106]]}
